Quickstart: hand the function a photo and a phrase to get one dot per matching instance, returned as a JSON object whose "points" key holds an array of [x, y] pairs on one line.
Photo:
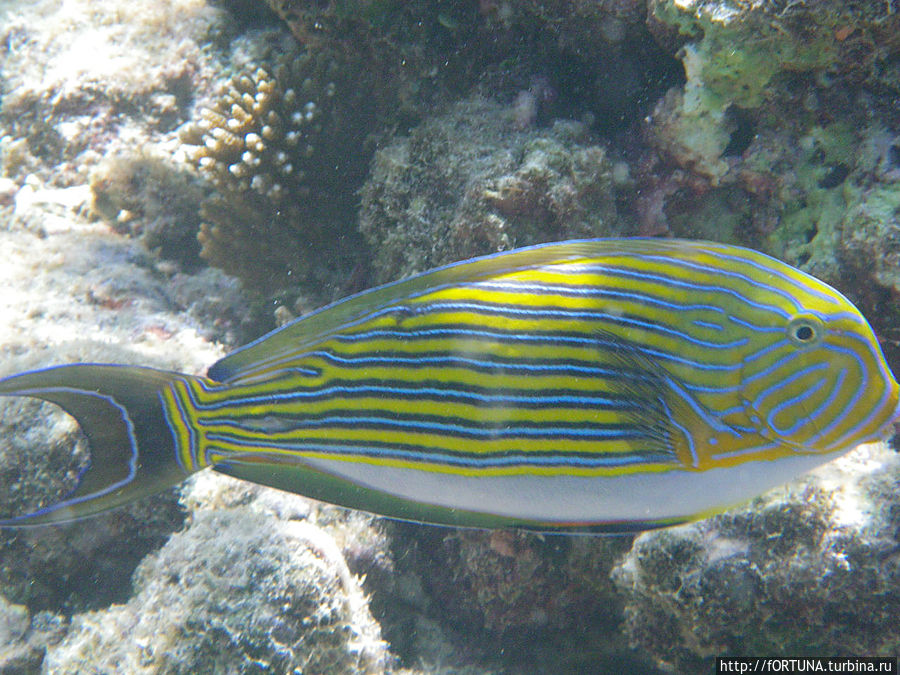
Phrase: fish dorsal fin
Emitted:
{"points": [[307, 330]]}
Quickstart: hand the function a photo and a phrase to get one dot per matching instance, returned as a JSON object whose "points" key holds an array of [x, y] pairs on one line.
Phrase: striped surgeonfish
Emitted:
{"points": [[601, 385]]}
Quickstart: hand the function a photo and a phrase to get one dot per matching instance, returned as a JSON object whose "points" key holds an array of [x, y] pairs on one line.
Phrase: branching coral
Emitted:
{"points": [[259, 135], [284, 154]]}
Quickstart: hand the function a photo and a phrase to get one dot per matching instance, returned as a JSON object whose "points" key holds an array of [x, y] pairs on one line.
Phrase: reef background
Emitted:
{"points": [[179, 176]]}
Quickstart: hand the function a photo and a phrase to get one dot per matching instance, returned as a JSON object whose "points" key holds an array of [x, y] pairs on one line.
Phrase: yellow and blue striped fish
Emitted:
{"points": [[589, 385]]}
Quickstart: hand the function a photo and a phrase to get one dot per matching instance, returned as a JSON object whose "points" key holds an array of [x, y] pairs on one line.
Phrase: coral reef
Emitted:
{"points": [[780, 138], [742, 47], [17, 656], [445, 50], [74, 289], [471, 182], [597, 56], [819, 193], [61, 568], [41, 452], [739, 54], [93, 94], [870, 234], [373, 37], [499, 124], [244, 138], [31, 479], [808, 569]]}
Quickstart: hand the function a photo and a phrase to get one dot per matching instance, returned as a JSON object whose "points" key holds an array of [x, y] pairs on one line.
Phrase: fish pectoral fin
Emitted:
{"points": [[664, 411], [131, 444]]}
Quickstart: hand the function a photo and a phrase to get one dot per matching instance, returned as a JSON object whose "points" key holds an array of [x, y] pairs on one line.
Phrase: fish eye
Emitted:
{"points": [[805, 330]]}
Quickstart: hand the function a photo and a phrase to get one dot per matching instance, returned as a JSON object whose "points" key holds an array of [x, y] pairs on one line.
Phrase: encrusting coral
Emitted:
{"points": [[474, 181]]}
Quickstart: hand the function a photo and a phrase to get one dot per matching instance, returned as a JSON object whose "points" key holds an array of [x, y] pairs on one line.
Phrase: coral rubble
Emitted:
{"points": [[88, 78]]}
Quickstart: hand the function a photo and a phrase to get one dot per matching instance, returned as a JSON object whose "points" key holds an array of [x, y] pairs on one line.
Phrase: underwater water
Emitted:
{"points": [[180, 177]]}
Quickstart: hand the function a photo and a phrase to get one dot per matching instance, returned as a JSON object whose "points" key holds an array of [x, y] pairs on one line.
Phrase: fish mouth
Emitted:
{"points": [[892, 427]]}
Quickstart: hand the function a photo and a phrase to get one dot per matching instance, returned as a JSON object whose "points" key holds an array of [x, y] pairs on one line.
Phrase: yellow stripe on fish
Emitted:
{"points": [[599, 385]]}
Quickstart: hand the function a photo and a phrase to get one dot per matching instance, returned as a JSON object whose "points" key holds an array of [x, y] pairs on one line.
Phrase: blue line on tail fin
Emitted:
{"points": [[120, 410]]}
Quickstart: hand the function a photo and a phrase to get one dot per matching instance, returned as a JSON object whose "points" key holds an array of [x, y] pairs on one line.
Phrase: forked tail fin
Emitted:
{"points": [[120, 410]]}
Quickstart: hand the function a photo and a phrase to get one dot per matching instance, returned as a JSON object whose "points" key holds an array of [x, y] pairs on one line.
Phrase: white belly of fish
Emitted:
{"points": [[576, 499]]}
